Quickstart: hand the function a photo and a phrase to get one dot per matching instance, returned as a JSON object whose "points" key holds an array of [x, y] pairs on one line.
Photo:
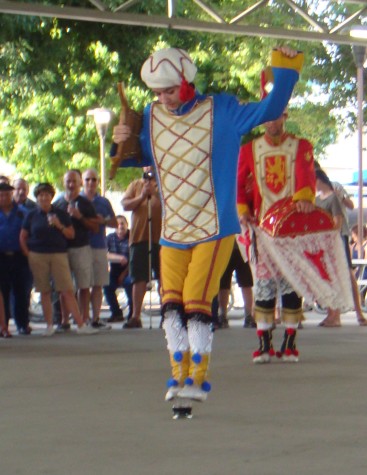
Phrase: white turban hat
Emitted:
{"points": [[167, 68]]}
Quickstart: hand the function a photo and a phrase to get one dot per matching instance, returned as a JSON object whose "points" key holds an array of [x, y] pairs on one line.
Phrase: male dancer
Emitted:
{"points": [[193, 142], [281, 166]]}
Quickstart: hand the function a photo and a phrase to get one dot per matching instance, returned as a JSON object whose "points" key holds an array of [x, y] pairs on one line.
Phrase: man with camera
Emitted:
{"points": [[142, 199]]}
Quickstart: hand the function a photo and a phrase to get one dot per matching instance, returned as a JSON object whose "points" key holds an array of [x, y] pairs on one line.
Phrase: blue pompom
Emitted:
{"points": [[171, 383], [196, 358], [178, 356], [189, 381], [206, 386]]}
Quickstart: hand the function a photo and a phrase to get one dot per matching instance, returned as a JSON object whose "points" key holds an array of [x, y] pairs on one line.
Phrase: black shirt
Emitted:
{"points": [[87, 210], [43, 237]]}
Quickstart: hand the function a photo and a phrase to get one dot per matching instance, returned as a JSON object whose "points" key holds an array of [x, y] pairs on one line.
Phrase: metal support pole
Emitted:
{"points": [[150, 247], [102, 143], [360, 160], [359, 53]]}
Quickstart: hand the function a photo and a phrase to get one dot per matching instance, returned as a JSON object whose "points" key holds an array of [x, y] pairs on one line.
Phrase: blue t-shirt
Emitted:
{"points": [[104, 208], [10, 226], [43, 237]]}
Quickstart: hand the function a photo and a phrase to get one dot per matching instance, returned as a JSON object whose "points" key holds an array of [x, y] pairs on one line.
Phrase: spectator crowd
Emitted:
{"points": [[59, 248]]}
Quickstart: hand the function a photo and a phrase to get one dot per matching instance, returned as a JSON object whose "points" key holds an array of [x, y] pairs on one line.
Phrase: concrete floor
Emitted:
{"points": [[88, 405]]}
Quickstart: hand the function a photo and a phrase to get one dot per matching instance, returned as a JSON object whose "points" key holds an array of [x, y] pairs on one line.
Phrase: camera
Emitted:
{"points": [[148, 175]]}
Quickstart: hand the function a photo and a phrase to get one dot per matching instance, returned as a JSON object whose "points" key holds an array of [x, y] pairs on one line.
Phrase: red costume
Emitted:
{"points": [[299, 255], [278, 170]]}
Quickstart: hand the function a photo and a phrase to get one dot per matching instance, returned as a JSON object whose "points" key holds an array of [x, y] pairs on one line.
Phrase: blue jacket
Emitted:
{"points": [[229, 120]]}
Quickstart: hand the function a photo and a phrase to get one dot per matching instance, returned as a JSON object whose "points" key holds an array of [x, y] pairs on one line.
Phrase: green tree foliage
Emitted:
{"points": [[54, 71], [51, 77]]}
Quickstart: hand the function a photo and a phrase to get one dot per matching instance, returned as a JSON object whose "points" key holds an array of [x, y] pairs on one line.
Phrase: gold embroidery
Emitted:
{"points": [[182, 150], [275, 172]]}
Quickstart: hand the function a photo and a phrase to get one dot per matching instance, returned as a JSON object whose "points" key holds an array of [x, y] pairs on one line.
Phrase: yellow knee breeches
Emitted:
{"points": [[191, 276]]}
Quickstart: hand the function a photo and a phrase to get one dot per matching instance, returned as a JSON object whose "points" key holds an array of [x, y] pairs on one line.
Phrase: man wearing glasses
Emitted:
{"points": [[98, 243]]}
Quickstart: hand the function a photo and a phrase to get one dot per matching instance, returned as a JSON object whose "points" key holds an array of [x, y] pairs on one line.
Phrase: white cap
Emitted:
{"points": [[167, 68]]}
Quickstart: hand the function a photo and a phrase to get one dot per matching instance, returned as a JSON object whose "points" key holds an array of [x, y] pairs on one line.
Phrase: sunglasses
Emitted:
{"points": [[91, 179]]}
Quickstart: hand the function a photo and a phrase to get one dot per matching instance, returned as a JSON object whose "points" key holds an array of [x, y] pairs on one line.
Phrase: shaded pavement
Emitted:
{"points": [[88, 405]]}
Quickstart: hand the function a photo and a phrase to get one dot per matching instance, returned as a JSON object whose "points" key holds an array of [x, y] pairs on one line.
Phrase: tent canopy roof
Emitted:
{"points": [[168, 16]]}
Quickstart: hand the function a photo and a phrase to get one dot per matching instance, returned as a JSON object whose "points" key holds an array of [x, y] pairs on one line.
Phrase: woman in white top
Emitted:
{"points": [[329, 201]]}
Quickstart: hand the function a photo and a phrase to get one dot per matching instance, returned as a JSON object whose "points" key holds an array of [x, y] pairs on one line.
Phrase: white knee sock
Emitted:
{"points": [[200, 337], [176, 333]]}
